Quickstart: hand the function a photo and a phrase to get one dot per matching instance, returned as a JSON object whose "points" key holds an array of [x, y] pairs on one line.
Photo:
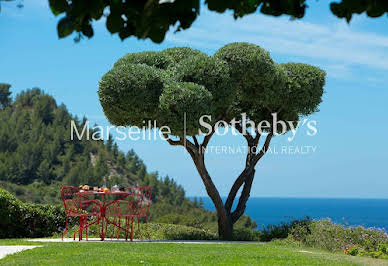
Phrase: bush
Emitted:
{"points": [[272, 232], [181, 232], [175, 218], [245, 234], [356, 241], [18, 219]]}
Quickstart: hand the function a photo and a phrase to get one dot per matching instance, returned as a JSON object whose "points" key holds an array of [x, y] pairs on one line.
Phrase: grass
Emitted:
{"points": [[110, 253]]}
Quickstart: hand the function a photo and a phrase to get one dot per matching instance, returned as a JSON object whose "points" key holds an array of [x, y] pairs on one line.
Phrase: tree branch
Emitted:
{"points": [[240, 209], [191, 146], [263, 150], [202, 147], [246, 177], [173, 142], [249, 167], [233, 191], [181, 142], [247, 136], [195, 141], [257, 138]]}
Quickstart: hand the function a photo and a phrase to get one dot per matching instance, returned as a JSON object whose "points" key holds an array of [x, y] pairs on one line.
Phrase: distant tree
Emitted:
{"points": [[5, 99], [101, 168], [152, 19], [44, 172], [44, 108], [109, 143], [239, 78], [115, 151], [141, 173], [121, 161], [27, 97]]}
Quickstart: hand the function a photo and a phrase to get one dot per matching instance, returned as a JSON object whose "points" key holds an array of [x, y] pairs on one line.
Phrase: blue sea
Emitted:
{"points": [[365, 212]]}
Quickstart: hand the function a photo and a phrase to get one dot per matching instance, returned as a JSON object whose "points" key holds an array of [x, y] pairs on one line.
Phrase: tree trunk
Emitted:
{"points": [[233, 216], [225, 227], [225, 224], [226, 217]]}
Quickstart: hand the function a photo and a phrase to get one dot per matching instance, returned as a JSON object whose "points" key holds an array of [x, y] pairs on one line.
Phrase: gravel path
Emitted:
{"points": [[5, 250]]}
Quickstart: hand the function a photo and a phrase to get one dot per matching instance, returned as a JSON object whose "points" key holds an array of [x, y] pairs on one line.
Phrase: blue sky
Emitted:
{"points": [[351, 145]]}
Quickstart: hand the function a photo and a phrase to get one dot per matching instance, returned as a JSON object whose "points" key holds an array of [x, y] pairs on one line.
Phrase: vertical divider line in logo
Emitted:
{"points": [[184, 129]]}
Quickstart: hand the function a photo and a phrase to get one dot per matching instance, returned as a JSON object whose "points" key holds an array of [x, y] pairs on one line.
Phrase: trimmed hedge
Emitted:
{"points": [[19, 219]]}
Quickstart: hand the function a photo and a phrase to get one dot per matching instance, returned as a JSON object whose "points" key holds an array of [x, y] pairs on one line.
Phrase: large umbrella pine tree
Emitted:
{"points": [[240, 78]]}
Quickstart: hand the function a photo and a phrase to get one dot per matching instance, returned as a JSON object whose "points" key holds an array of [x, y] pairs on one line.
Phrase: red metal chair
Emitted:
{"points": [[134, 206], [140, 206], [118, 209], [78, 205]]}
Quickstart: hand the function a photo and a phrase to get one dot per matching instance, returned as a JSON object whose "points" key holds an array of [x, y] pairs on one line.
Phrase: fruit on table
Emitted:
{"points": [[106, 190]]}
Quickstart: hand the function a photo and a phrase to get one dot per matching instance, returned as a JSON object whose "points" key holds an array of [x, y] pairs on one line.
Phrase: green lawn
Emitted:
{"points": [[173, 253]]}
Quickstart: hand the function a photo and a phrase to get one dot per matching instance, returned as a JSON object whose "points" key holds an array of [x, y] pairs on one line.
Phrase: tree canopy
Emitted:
{"points": [[240, 79], [152, 19]]}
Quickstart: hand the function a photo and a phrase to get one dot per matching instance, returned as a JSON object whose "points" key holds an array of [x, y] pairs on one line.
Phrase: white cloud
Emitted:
{"points": [[337, 46]]}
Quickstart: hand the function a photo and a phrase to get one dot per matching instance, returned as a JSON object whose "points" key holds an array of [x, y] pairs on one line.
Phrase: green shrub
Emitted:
{"points": [[181, 232], [175, 218], [281, 231], [18, 219], [245, 234], [356, 241]]}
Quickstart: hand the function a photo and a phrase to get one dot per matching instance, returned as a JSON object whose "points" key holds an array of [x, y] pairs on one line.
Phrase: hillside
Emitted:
{"points": [[37, 156]]}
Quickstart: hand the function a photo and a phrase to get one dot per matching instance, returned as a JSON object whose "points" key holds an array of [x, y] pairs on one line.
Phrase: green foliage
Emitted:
{"points": [[18, 219], [155, 59], [174, 218], [37, 157], [282, 231], [5, 100], [379, 252], [134, 19], [37, 192], [239, 78], [304, 80], [325, 234], [210, 72], [252, 70], [129, 93], [346, 8], [176, 97], [245, 234], [36, 145], [152, 20], [173, 232], [178, 54]]}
